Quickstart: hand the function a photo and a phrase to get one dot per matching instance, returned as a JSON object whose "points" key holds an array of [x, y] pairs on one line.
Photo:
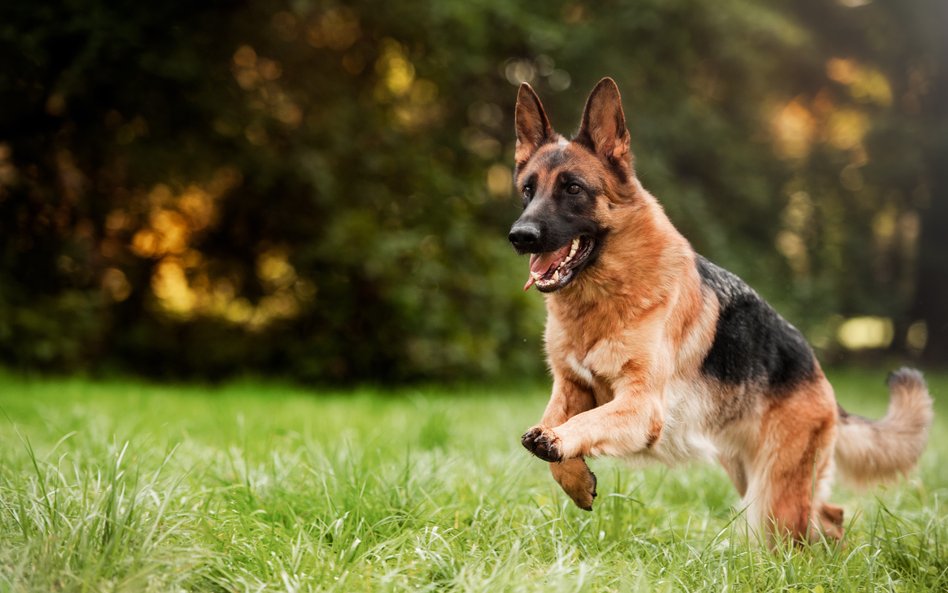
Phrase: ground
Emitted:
{"points": [[127, 486]]}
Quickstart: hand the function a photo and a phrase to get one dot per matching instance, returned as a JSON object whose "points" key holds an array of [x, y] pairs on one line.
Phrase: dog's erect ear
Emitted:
{"points": [[533, 127], [603, 127]]}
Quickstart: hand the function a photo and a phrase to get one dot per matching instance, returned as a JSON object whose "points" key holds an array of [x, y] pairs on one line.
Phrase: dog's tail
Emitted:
{"points": [[876, 451]]}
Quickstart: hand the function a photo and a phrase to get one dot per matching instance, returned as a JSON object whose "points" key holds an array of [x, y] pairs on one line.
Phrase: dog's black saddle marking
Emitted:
{"points": [[752, 343]]}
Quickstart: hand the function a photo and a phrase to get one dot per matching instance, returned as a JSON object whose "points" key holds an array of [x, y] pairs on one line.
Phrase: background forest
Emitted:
{"points": [[322, 190]]}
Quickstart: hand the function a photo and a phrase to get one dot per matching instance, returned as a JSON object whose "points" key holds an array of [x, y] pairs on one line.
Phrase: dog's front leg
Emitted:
{"points": [[632, 422], [573, 475]]}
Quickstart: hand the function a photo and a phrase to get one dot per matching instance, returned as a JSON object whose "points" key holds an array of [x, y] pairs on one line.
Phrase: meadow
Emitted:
{"points": [[257, 486]]}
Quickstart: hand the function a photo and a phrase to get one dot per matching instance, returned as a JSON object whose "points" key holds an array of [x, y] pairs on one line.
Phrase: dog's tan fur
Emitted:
{"points": [[626, 340]]}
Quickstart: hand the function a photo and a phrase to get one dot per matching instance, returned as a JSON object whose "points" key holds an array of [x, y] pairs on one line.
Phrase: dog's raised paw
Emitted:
{"points": [[543, 443]]}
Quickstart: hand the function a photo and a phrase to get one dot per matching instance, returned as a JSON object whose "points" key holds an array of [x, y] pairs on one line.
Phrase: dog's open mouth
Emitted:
{"points": [[553, 270]]}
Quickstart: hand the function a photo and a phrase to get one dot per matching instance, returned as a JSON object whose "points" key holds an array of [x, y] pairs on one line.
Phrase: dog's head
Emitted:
{"points": [[569, 186]]}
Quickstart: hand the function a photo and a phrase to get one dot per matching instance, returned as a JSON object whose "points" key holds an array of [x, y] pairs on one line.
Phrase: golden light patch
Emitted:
{"points": [[275, 270], [394, 68], [793, 129], [116, 285], [846, 128], [499, 180], [170, 285], [861, 333], [197, 206], [792, 247], [866, 84]]}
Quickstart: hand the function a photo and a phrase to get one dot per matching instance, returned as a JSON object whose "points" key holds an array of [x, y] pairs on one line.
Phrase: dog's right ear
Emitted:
{"points": [[533, 126]]}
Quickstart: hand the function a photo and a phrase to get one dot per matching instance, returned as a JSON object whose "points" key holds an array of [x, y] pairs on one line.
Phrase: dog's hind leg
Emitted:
{"points": [[794, 466], [831, 520], [573, 475]]}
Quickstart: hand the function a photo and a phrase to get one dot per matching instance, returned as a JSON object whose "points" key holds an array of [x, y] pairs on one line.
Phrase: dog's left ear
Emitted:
{"points": [[603, 127]]}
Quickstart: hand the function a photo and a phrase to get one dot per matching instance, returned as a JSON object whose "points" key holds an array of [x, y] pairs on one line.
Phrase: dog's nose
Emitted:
{"points": [[525, 236]]}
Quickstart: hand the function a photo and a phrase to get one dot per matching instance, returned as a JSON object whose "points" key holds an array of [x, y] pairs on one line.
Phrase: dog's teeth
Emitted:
{"points": [[556, 276]]}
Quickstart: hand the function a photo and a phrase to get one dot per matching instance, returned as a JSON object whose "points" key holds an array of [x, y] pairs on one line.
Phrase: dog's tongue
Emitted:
{"points": [[540, 263]]}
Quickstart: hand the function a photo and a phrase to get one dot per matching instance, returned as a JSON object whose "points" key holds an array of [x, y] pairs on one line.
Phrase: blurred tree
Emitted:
{"points": [[891, 59], [322, 189]]}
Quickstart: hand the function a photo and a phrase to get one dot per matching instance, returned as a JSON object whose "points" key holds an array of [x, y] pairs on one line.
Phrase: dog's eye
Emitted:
{"points": [[573, 188], [528, 191]]}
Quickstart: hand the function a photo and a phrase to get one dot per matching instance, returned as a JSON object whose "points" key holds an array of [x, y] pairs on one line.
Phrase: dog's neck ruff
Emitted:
{"points": [[636, 262]]}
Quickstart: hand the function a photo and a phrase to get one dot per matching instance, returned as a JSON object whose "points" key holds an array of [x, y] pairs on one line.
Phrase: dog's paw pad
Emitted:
{"points": [[543, 443]]}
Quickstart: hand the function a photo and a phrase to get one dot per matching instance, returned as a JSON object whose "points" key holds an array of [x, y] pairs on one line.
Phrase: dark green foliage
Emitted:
{"points": [[319, 189]]}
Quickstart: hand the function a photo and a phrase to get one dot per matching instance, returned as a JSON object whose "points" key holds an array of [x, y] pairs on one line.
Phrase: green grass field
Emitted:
{"points": [[125, 486]]}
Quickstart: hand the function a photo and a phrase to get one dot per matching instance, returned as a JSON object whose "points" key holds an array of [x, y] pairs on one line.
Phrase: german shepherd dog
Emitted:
{"points": [[657, 353]]}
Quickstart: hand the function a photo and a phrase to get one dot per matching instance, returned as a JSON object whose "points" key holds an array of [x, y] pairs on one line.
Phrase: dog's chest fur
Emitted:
{"points": [[687, 399]]}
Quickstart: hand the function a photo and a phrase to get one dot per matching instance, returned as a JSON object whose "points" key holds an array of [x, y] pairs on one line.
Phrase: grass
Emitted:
{"points": [[123, 486]]}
